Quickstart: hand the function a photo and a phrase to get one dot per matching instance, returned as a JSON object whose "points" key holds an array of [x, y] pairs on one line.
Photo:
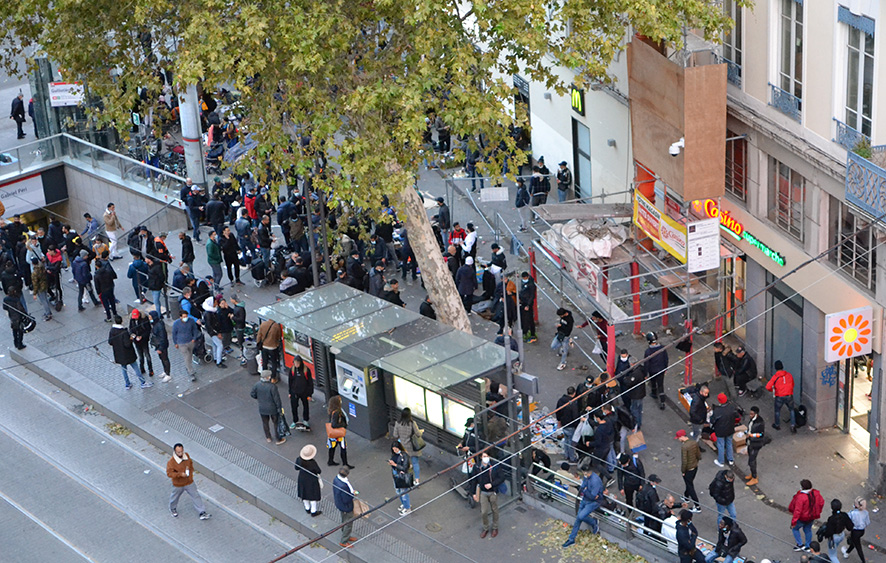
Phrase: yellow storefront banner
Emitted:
{"points": [[666, 232]]}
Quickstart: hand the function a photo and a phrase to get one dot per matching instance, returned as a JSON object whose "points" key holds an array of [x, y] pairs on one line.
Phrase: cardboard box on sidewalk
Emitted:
{"points": [[740, 437]]}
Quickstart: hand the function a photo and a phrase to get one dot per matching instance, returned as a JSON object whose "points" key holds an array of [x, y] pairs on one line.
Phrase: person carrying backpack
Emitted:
{"points": [[834, 530], [805, 508]]}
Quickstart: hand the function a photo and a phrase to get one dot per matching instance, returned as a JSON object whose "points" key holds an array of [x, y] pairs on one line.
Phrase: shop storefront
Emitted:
{"points": [[789, 321]]}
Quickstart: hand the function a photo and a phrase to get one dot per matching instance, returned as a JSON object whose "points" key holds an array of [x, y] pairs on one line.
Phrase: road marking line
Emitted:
{"points": [[45, 527]]}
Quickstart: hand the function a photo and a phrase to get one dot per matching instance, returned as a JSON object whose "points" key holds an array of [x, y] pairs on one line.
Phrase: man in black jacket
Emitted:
{"points": [[17, 317], [528, 293], [488, 478], [104, 285], [745, 369], [603, 449], [426, 309], [187, 250], [756, 437], [630, 474], [215, 214], [724, 360], [560, 344], [723, 425], [567, 420], [18, 114], [265, 240], [647, 502], [722, 490], [635, 390], [686, 536], [656, 367], [698, 409], [730, 540], [125, 356], [301, 390]]}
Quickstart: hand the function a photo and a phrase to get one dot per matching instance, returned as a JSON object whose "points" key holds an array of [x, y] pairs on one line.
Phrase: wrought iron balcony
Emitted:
{"points": [[866, 181], [849, 137], [785, 102], [733, 70]]}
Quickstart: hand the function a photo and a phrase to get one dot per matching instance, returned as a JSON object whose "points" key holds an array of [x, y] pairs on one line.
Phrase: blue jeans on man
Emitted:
{"points": [[724, 446], [561, 346], [713, 555], [136, 370], [195, 222], [585, 508], [780, 402], [807, 531], [722, 509], [636, 409]]}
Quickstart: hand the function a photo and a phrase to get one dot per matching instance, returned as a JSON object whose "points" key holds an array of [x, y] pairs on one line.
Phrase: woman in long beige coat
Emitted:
{"points": [[404, 429]]}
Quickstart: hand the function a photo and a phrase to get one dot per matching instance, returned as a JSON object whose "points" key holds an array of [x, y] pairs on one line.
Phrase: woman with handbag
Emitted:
{"points": [[407, 432], [401, 469], [336, 430], [309, 483]]}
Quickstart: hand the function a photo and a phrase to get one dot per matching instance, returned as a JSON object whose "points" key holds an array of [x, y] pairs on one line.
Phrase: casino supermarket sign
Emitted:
{"points": [[732, 226]]}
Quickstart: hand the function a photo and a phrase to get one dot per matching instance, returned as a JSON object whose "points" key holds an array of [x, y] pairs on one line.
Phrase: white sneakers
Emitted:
{"points": [[165, 377]]}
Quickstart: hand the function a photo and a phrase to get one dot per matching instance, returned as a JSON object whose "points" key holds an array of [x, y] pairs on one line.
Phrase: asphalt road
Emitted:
{"points": [[70, 492]]}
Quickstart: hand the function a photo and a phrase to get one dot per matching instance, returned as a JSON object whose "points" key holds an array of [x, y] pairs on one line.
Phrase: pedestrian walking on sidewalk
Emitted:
{"points": [[309, 483], [160, 342], [591, 492], [104, 285], [301, 390], [185, 333], [336, 431], [567, 420], [564, 181], [40, 287], [561, 341], [401, 469], [488, 480], [17, 317], [521, 202], [630, 474], [782, 386], [407, 432], [113, 228], [83, 276], [723, 424], [125, 356], [722, 490], [860, 520], [269, 337], [656, 366], [805, 508], [180, 469], [140, 329], [17, 114], [528, 294], [835, 528], [756, 440], [269, 405], [343, 494], [690, 455]]}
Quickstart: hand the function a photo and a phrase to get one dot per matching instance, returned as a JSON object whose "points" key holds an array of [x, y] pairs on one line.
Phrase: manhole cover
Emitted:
{"points": [[433, 527]]}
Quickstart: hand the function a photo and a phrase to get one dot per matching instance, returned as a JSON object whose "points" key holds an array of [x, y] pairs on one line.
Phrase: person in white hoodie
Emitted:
{"points": [[860, 520]]}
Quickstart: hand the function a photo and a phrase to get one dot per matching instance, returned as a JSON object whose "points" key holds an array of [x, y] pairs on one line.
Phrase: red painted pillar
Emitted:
{"points": [[532, 273], [611, 353], [664, 305], [635, 290], [604, 283]]}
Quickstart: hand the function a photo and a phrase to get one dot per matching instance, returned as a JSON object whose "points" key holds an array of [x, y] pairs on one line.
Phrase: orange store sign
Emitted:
{"points": [[734, 227]]}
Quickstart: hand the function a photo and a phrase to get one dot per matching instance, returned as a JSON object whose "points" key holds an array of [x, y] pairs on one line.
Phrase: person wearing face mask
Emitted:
{"points": [[591, 493], [528, 293], [488, 479]]}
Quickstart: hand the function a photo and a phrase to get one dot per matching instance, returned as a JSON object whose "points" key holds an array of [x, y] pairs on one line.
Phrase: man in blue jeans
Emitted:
{"points": [[782, 385], [591, 494]]}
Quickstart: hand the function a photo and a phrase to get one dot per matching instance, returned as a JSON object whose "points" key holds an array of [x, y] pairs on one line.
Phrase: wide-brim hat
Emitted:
{"points": [[308, 452]]}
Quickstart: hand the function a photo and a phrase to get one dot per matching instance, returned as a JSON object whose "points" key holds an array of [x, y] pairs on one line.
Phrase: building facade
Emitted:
{"points": [[803, 103]]}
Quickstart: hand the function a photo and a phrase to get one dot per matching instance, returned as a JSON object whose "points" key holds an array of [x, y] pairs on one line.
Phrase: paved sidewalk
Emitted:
{"points": [[446, 530]]}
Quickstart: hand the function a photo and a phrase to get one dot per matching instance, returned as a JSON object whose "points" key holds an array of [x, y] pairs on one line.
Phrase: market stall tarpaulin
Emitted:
{"points": [[848, 334], [666, 232]]}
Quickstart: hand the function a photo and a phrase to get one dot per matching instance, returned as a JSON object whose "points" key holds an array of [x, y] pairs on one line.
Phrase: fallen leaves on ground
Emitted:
{"points": [[590, 548]]}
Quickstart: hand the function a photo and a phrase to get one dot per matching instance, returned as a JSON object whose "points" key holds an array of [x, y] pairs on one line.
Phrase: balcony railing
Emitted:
{"points": [[848, 136], [866, 181], [785, 102], [733, 70]]}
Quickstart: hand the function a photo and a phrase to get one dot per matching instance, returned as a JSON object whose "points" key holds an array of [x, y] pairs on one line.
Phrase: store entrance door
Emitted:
{"points": [[785, 338], [855, 379]]}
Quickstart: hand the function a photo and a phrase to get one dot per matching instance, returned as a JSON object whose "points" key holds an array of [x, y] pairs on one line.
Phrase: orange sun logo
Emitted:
{"points": [[848, 337]]}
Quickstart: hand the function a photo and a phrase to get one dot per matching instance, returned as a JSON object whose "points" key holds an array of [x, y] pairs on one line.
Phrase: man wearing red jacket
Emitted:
{"points": [[805, 508], [782, 384]]}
